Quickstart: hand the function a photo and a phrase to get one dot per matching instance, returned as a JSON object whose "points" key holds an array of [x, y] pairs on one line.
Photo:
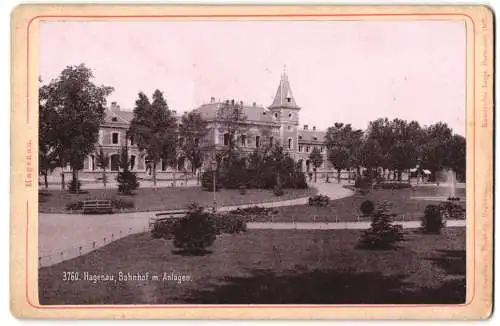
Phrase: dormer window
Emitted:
{"points": [[114, 119], [276, 115], [315, 138], [289, 99], [290, 116]]}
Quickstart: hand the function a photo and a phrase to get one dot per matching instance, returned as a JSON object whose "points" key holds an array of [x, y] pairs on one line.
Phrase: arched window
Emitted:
{"points": [[289, 143], [257, 141], [226, 139]]}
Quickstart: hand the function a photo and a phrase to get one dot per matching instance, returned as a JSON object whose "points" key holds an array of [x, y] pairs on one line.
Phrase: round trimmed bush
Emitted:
{"points": [[367, 207], [432, 221]]}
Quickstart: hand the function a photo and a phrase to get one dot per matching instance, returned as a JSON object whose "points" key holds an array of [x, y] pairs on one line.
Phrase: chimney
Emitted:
{"points": [[212, 99], [114, 107], [314, 127], [306, 127]]}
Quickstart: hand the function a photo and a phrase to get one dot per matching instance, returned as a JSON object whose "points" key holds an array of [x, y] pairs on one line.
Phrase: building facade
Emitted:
{"points": [[279, 122]]}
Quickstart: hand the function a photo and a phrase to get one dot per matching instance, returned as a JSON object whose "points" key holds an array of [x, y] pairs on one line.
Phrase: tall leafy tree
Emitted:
{"points": [[154, 130], [456, 155], [231, 122], [371, 156], [316, 159], [192, 130], [382, 131], [339, 157], [437, 138], [343, 144], [47, 157], [79, 107]]}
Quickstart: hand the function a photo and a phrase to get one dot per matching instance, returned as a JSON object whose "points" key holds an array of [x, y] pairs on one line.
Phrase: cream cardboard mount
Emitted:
{"points": [[231, 69]]}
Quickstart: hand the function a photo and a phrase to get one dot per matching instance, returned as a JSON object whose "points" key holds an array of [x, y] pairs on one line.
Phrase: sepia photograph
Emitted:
{"points": [[252, 162]]}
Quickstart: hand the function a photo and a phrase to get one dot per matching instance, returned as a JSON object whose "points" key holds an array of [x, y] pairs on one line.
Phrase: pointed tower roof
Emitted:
{"points": [[284, 96]]}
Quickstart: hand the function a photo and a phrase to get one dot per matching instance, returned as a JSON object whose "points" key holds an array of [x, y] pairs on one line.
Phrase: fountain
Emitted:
{"points": [[451, 179]]}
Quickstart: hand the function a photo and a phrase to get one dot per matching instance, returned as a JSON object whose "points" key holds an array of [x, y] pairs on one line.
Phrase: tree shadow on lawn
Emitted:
{"points": [[192, 253], [453, 262], [324, 287]]}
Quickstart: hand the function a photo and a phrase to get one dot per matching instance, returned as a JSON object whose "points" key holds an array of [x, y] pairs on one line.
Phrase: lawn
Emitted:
{"points": [[147, 199], [269, 267], [345, 209]]}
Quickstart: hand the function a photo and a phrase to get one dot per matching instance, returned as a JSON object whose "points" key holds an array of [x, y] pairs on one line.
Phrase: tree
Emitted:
{"points": [[231, 122], [343, 143], [79, 107], [456, 155], [316, 159], [102, 162], [127, 180], [382, 132], [47, 158], [437, 138], [339, 157], [371, 155], [154, 130], [191, 131], [277, 160]]}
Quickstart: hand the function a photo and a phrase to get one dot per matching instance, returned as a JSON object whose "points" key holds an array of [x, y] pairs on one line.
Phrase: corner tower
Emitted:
{"points": [[285, 111]]}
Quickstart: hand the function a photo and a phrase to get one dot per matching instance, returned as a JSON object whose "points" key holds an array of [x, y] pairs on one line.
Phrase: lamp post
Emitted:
{"points": [[214, 169]]}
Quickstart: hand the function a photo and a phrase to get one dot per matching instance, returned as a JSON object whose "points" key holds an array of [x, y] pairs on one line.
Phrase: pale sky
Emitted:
{"points": [[349, 71]]}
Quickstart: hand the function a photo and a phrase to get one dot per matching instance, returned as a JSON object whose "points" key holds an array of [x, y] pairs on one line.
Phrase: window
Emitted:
{"points": [[243, 140], [307, 149], [114, 119], [196, 142], [257, 141], [114, 162], [276, 115], [271, 140], [114, 138], [290, 116], [300, 136], [289, 142], [300, 148], [315, 138], [289, 127], [132, 162], [321, 149], [131, 140], [92, 163], [289, 99], [226, 139]]}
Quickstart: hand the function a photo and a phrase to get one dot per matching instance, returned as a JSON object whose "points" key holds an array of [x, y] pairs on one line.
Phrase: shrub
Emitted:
{"points": [[196, 231], [367, 207], [432, 222], [278, 190], [229, 223], [207, 179], [164, 228], [74, 206], [382, 234], [74, 186], [319, 200], [127, 182], [362, 183], [235, 177], [452, 209], [123, 203]]}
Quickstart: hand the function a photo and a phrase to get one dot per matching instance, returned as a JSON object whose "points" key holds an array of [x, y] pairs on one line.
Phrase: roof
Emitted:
{"points": [[309, 135], [284, 96], [253, 113], [120, 116]]}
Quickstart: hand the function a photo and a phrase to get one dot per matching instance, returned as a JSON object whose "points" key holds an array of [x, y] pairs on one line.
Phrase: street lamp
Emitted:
{"points": [[214, 169]]}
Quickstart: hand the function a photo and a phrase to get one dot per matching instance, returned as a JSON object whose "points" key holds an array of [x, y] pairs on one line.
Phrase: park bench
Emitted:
{"points": [[97, 206], [170, 215]]}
